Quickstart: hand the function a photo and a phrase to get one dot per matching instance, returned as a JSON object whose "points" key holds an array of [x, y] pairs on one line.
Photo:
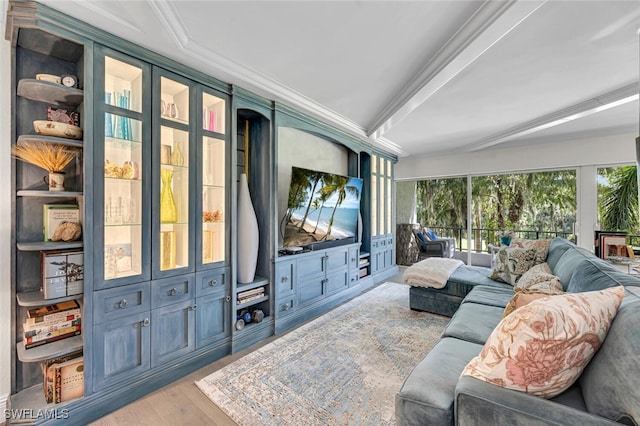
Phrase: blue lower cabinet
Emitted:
{"points": [[212, 318], [172, 331], [337, 281], [121, 349]]}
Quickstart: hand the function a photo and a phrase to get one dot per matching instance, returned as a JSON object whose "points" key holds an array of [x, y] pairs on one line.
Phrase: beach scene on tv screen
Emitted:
{"points": [[321, 207]]}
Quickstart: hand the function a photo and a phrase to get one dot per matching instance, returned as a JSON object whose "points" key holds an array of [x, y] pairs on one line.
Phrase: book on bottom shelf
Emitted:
{"points": [[63, 377]]}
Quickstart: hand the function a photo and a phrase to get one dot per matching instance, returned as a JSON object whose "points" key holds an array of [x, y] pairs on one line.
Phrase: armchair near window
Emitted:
{"points": [[433, 246]]}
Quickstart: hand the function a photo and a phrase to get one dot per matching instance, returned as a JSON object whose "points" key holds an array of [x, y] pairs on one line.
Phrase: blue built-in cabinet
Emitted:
{"points": [[155, 179]]}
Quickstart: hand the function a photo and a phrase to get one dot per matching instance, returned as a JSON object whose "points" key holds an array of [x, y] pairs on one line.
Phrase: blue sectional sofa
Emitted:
{"points": [[607, 392]]}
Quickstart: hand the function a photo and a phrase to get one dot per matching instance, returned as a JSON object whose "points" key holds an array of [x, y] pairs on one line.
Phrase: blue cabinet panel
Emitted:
{"points": [[212, 319], [120, 302], [214, 281], [171, 290], [172, 332]]}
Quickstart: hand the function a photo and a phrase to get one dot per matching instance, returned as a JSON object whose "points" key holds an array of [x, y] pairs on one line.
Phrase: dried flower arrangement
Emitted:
{"points": [[48, 156]]}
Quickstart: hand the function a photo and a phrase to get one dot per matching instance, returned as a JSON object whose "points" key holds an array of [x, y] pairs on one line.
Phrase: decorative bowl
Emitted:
{"points": [[48, 77], [54, 128]]}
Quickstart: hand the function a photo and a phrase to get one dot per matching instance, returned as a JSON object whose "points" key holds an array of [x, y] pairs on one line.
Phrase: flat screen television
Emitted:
{"points": [[322, 209]]}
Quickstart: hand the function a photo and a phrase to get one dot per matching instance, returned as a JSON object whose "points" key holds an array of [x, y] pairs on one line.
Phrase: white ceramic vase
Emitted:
{"points": [[248, 237]]}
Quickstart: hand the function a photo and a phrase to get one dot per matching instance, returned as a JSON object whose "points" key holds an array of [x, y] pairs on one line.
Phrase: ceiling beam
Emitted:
{"points": [[620, 96], [492, 22]]}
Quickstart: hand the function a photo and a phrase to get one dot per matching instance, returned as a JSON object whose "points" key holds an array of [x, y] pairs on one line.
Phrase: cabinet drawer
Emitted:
{"points": [[285, 306], [211, 282], [337, 282], [120, 302], [284, 278], [167, 291], [310, 291]]}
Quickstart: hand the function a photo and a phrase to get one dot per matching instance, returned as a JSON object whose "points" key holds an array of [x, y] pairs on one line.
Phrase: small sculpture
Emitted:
{"points": [[67, 231]]}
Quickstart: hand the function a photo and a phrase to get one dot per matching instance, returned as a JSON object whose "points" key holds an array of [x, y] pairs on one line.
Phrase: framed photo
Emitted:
{"points": [[165, 154], [613, 246], [598, 240]]}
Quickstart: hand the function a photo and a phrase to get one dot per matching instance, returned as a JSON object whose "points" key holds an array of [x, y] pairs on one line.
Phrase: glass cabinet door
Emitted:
{"points": [[213, 161], [120, 121], [172, 147], [374, 196]]}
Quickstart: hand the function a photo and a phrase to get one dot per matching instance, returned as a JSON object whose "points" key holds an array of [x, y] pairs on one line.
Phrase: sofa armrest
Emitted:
{"points": [[481, 403]]}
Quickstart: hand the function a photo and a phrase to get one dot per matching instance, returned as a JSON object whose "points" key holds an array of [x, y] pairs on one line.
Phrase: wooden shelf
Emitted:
{"points": [[47, 193], [36, 298], [48, 245], [51, 93], [49, 350], [257, 282], [51, 139]]}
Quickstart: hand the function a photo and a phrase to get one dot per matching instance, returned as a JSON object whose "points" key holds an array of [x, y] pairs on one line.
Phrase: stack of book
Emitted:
{"points": [[51, 323], [63, 377], [249, 295]]}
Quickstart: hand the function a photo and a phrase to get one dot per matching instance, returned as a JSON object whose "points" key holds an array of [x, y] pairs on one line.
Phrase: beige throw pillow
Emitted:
{"points": [[543, 347], [540, 278], [540, 246]]}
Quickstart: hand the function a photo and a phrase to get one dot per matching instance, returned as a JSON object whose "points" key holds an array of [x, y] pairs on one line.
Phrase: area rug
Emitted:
{"points": [[343, 368]]}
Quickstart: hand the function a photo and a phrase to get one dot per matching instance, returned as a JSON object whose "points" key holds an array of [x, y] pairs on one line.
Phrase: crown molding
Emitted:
{"points": [[492, 22]]}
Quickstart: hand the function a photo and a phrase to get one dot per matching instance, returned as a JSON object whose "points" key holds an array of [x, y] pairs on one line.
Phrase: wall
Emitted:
{"points": [[584, 155], [5, 219], [300, 149]]}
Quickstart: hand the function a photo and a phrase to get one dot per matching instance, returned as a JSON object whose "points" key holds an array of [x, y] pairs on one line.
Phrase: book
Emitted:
{"points": [[55, 214], [34, 330], [69, 380], [250, 298], [52, 319], [52, 336], [54, 310], [48, 374], [62, 273], [250, 292]]}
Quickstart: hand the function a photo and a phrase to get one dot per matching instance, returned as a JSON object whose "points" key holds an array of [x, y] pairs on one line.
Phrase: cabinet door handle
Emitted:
{"points": [[194, 307], [213, 283], [146, 322], [286, 307], [123, 303], [228, 298], [173, 291], [284, 279]]}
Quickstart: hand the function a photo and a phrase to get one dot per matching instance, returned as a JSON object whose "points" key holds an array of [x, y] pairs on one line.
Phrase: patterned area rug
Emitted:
{"points": [[344, 367]]}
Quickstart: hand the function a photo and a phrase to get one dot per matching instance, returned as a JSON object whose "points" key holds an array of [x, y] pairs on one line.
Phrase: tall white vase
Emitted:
{"points": [[247, 234]]}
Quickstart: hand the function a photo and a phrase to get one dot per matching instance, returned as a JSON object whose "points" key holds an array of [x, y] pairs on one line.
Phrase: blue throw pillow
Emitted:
{"points": [[421, 237], [430, 234]]}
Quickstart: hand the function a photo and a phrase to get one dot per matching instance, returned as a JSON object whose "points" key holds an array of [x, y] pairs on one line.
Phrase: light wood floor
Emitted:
{"points": [[181, 402]]}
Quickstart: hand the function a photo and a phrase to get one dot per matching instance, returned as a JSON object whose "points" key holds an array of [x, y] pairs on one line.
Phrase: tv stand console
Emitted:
{"points": [[310, 283]]}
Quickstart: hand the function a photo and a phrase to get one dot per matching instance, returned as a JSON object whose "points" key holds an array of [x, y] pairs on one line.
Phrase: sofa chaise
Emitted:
{"points": [[607, 391]]}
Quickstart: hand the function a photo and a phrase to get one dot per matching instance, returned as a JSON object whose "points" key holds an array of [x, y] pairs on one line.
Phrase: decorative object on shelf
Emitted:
{"points": [[257, 315], [117, 260], [55, 181], [240, 324], [505, 237], [168, 208], [48, 77], [167, 250], [108, 118], [63, 116], [214, 216], [208, 244], [69, 80], [247, 234], [56, 214], [67, 231], [60, 130], [165, 154], [177, 159], [48, 156]]}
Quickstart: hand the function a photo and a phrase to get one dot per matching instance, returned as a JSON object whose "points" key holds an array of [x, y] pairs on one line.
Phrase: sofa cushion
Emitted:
{"points": [[543, 347], [473, 322], [466, 277], [610, 381], [594, 274], [426, 397], [568, 263], [491, 296], [557, 248], [511, 263]]}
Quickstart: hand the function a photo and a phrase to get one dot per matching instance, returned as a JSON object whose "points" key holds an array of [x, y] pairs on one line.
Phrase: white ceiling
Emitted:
{"points": [[414, 77]]}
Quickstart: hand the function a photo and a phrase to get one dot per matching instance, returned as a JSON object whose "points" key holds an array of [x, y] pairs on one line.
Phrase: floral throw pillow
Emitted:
{"points": [[540, 278], [511, 263], [543, 347], [540, 246]]}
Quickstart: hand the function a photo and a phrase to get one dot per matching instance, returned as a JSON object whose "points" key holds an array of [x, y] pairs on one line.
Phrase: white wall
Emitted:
{"points": [[5, 219], [584, 155]]}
